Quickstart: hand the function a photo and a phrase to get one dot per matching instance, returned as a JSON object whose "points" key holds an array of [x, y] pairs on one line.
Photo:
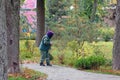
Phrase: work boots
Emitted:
{"points": [[48, 64], [41, 64]]}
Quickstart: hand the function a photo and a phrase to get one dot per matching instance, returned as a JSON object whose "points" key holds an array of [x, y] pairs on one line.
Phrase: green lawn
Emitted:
{"points": [[106, 48]]}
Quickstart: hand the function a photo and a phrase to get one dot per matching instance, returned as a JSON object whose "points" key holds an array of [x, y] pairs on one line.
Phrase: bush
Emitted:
{"points": [[108, 62], [51, 56], [28, 49], [86, 49], [69, 58], [82, 63], [91, 62], [30, 46], [106, 33], [25, 54], [27, 36], [61, 58]]}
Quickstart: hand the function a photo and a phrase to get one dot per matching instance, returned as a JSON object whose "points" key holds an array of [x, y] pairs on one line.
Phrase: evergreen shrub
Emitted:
{"points": [[90, 62]]}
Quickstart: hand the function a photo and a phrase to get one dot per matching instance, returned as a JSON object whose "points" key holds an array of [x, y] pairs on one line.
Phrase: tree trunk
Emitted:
{"points": [[3, 42], [40, 21], [116, 47], [94, 11], [12, 16]]}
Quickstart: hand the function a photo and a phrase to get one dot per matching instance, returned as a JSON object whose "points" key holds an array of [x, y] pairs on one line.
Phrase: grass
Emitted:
{"points": [[106, 48], [30, 52], [27, 74], [105, 70], [16, 78]]}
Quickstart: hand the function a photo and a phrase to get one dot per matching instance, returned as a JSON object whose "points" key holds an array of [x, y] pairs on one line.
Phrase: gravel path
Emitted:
{"points": [[64, 73]]}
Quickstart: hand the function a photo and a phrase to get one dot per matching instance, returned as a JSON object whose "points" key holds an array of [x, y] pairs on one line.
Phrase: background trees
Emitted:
{"points": [[57, 9], [70, 22]]}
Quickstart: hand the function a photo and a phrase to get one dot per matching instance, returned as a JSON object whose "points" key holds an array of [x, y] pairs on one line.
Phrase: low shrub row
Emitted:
{"points": [[90, 62]]}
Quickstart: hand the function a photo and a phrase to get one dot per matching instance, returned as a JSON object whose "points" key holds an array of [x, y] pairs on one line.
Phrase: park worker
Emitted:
{"points": [[44, 47]]}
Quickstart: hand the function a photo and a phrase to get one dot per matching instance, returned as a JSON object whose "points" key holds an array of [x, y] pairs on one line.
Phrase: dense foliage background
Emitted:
{"points": [[82, 38]]}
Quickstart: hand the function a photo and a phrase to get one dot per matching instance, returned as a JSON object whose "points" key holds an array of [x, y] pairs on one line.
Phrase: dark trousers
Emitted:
{"points": [[44, 56]]}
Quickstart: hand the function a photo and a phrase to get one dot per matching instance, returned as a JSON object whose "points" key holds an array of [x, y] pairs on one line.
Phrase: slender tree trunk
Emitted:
{"points": [[94, 11], [3, 42], [40, 21], [116, 47], [12, 15]]}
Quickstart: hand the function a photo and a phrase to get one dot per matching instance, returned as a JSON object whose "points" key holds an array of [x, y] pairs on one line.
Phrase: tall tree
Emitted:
{"points": [[40, 20], [116, 47], [93, 14], [57, 9], [12, 16], [3, 42]]}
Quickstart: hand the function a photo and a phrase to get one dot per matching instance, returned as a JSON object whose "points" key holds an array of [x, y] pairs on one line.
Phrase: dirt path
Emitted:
{"points": [[64, 73]]}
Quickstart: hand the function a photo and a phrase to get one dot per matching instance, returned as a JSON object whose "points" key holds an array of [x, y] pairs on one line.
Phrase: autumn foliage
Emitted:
{"points": [[28, 74]]}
